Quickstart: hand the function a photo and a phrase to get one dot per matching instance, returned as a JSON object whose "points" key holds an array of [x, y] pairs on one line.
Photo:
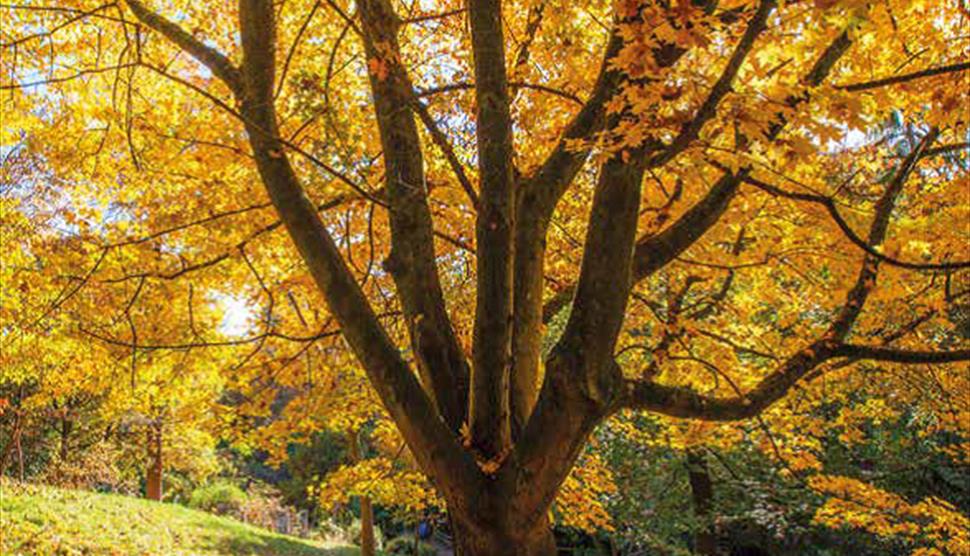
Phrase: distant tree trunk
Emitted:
{"points": [[15, 434], [20, 454], [702, 493], [5, 455], [367, 542], [14, 442], [153, 475], [66, 427]]}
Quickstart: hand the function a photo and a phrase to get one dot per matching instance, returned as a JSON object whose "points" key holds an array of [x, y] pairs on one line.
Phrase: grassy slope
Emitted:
{"points": [[43, 520]]}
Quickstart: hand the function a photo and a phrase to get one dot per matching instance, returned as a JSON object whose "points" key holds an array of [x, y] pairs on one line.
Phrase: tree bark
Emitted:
{"points": [[20, 455], [153, 475], [479, 535], [367, 542], [494, 228], [14, 442], [66, 427], [411, 261], [702, 494]]}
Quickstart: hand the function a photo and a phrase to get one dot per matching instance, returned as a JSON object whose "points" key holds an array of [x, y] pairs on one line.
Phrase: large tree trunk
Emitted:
{"points": [[153, 475], [480, 536]]}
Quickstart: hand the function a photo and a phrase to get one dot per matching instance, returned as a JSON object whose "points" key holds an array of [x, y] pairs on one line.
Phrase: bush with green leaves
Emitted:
{"points": [[404, 546], [220, 497]]}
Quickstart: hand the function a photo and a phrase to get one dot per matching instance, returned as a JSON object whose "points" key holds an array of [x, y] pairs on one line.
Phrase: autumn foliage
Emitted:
{"points": [[488, 241]]}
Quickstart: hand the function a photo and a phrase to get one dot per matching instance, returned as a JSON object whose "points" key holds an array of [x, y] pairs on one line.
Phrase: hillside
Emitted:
{"points": [[44, 520]]}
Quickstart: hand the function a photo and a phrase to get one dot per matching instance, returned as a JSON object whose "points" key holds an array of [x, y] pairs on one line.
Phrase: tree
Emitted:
{"points": [[730, 114], [94, 393]]}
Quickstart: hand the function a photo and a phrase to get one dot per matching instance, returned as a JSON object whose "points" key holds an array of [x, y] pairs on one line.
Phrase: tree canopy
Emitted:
{"points": [[518, 220]]}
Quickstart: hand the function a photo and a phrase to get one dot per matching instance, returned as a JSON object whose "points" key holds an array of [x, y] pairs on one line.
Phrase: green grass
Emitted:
{"points": [[43, 520]]}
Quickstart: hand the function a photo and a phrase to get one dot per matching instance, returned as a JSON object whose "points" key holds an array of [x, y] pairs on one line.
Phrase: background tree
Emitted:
{"points": [[83, 401]]}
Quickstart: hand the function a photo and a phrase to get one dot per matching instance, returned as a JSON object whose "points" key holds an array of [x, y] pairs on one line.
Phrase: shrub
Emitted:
{"points": [[353, 534], [265, 508], [92, 469], [220, 497], [404, 546]]}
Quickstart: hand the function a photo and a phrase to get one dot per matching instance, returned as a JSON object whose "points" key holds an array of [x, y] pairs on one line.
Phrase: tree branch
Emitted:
{"points": [[211, 58], [432, 443], [893, 355], [491, 352], [295, 46], [533, 22], [654, 252], [896, 79], [682, 402], [687, 403], [514, 85], [721, 88], [411, 261], [581, 381], [846, 229], [657, 251], [866, 281], [441, 140], [536, 199]]}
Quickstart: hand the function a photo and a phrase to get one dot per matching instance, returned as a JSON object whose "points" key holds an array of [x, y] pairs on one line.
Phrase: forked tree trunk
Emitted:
{"points": [[153, 475]]}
